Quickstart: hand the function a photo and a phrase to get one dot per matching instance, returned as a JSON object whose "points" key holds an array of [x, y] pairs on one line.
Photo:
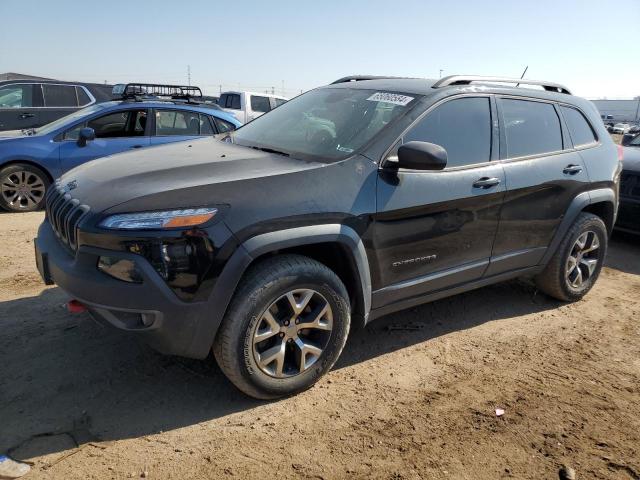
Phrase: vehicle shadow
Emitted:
{"points": [[63, 372], [624, 253]]}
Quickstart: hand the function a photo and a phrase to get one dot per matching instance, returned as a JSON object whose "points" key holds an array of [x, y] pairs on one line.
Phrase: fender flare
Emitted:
{"points": [[576, 206], [259, 245]]}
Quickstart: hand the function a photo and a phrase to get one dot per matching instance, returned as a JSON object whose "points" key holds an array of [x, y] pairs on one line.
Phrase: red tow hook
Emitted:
{"points": [[74, 306]]}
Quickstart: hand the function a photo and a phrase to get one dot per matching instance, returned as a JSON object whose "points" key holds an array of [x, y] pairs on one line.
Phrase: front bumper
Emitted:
{"points": [[628, 215], [150, 310]]}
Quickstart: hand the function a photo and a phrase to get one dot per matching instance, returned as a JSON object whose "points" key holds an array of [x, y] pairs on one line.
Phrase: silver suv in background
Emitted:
{"points": [[246, 106]]}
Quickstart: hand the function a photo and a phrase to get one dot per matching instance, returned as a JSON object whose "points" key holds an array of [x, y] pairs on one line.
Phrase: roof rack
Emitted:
{"points": [[468, 79], [358, 78], [140, 91]]}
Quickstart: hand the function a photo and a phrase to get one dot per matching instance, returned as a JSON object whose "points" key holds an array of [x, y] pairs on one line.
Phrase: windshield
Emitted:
{"points": [[327, 124], [78, 114]]}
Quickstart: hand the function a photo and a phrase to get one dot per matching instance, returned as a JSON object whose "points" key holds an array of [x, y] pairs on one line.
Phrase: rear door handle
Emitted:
{"points": [[572, 169], [27, 115], [136, 146], [486, 182]]}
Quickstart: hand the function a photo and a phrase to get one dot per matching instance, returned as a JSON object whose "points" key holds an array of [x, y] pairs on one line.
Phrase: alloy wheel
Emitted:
{"points": [[22, 190], [583, 259], [292, 333]]}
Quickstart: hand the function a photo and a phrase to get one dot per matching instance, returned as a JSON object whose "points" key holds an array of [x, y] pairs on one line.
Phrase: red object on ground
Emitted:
{"points": [[74, 306]]}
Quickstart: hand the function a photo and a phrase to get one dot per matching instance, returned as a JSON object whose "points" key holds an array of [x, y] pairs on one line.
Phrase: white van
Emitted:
{"points": [[249, 105]]}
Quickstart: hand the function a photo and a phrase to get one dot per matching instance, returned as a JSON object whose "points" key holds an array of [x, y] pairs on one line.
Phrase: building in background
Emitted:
{"points": [[619, 110]]}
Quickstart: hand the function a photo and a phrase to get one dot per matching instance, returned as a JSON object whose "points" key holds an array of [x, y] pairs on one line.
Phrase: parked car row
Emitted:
{"points": [[349, 202], [145, 115]]}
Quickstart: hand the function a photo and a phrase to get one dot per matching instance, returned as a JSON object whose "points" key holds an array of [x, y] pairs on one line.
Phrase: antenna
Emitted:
{"points": [[522, 76], [189, 75]]}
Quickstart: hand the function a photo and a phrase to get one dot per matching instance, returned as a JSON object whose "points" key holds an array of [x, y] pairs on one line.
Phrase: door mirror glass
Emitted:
{"points": [[422, 156], [86, 135]]}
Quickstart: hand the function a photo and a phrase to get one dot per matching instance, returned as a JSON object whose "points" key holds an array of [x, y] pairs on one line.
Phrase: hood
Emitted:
{"points": [[631, 159], [11, 134], [183, 174]]}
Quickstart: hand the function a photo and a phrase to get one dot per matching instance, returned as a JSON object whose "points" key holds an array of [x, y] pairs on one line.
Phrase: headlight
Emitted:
{"points": [[189, 217]]}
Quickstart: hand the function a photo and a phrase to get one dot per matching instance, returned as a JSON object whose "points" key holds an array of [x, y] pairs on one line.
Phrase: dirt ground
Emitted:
{"points": [[413, 396]]}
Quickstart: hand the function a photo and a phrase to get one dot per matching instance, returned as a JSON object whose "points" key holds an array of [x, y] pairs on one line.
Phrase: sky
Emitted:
{"points": [[292, 46]]}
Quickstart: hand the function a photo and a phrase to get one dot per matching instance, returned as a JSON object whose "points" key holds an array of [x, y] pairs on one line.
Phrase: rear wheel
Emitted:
{"points": [[286, 327], [576, 265], [22, 188]]}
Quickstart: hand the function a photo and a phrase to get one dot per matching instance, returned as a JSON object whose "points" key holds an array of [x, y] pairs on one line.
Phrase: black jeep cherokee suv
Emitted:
{"points": [[354, 200]]}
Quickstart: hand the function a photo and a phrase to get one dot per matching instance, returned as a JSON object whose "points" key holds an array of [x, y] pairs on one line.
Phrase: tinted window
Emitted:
{"points": [[530, 128], [260, 104], [83, 98], [16, 96], [130, 123], [224, 126], [230, 100], [462, 127], [205, 126], [59, 95], [579, 129], [172, 122]]}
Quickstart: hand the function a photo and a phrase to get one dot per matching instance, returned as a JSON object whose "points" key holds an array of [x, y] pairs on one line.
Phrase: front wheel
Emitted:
{"points": [[22, 188], [286, 327], [576, 265]]}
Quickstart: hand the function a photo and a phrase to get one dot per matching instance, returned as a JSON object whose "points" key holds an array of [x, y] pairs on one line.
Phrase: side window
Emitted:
{"points": [[280, 101], [16, 96], [205, 125], [224, 126], [579, 128], [530, 128], [73, 133], [462, 127], [230, 100], [260, 104], [59, 95], [83, 98], [177, 122], [130, 123]]}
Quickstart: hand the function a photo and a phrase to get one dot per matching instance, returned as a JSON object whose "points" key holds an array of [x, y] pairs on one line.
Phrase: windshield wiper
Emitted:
{"points": [[271, 150]]}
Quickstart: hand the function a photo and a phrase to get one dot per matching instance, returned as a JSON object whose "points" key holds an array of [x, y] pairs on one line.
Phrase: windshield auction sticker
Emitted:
{"points": [[394, 98]]}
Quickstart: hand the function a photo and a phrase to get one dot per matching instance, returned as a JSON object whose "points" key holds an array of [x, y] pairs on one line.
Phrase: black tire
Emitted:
{"points": [[31, 184], [263, 285], [554, 279]]}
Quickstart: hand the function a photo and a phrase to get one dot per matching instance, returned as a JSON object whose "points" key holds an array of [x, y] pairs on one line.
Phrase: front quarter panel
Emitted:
{"points": [[39, 150]]}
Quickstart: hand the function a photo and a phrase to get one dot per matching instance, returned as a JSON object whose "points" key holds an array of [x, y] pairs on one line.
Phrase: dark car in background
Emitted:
{"points": [[33, 103], [629, 211]]}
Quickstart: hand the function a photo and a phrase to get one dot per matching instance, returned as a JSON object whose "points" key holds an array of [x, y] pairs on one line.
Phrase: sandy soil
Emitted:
{"points": [[413, 396]]}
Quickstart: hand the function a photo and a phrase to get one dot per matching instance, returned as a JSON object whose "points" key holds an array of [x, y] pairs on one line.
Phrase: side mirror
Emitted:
{"points": [[422, 156], [86, 135]]}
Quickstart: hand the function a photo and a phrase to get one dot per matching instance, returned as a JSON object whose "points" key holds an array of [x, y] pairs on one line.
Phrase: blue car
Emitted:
{"points": [[31, 159]]}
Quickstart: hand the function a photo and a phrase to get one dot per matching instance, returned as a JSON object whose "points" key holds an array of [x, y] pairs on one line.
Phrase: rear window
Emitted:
{"points": [[59, 95], [531, 128], [230, 100], [579, 128], [260, 104], [83, 98]]}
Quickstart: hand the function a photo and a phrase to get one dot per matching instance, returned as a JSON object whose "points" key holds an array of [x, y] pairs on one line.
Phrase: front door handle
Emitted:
{"points": [[486, 182], [27, 115], [136, 146], [572, 169]]}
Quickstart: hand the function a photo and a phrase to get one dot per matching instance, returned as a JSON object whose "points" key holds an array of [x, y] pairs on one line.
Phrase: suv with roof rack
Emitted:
{"points": [[347, 203], [144, 115]]}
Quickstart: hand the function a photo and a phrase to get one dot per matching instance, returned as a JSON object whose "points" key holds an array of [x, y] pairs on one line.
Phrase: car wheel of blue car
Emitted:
{"points": [[22, 188]]}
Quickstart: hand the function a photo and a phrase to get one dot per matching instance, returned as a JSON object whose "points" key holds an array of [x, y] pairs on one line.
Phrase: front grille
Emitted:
{"points": [[64, 214], [630, 184]]}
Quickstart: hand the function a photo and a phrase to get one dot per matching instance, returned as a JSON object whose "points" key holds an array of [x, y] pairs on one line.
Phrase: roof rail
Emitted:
{"points": [[358, 78], [151, 90], [467, 79]]}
